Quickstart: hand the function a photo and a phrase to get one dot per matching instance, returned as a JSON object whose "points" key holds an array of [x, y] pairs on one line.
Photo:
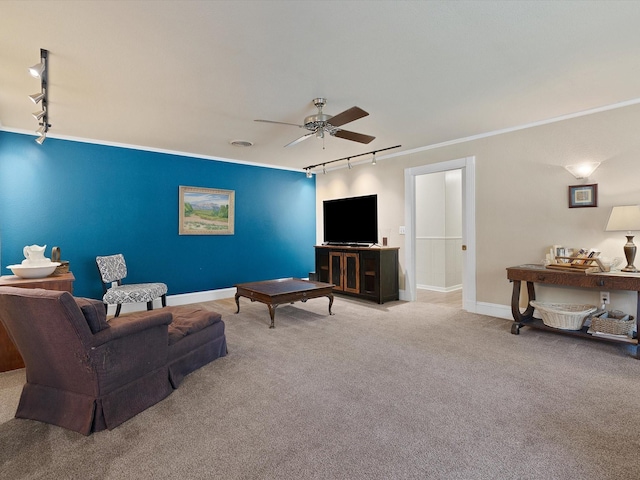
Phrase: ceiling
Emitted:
{"points": [[191, 76]]}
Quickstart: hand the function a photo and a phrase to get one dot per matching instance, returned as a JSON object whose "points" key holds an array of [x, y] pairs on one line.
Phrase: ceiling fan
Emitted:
{"points": [[321, 123]]}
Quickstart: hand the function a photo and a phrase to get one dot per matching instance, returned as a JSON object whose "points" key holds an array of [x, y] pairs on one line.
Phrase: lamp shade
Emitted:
{"points": [[624, 218], [582, 170]]}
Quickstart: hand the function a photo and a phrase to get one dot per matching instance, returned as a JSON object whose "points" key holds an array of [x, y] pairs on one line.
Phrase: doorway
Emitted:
{"points": [[466, 166], [438, 237]]}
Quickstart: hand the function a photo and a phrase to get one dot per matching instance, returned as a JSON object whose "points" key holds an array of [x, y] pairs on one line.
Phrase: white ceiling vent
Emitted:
{"points": [[241, 143]]}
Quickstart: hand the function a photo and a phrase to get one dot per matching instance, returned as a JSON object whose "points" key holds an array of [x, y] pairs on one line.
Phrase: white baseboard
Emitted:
{"points": [[483, 308], [181, 299], [433, 288], [195, 297], [494, 310]]}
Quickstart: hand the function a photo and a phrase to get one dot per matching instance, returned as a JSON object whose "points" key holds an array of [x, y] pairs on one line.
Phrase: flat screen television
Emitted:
{"points": [[351, 220]]}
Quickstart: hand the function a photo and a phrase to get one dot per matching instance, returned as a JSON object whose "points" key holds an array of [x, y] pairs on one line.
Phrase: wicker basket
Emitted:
{"points": [[564, 316], [62, 268], [607, 323]]}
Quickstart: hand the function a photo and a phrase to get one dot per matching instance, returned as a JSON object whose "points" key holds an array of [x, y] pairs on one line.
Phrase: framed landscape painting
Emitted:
{"points": [[206, 211]]}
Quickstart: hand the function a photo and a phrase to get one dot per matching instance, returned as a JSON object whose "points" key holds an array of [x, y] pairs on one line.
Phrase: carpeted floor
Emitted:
{"points": [[395, 391]]}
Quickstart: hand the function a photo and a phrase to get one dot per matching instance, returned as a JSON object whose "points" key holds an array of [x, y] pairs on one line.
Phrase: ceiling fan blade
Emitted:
{"points": [[356, 137], [280, 123], [304, 137], [354, 113]]}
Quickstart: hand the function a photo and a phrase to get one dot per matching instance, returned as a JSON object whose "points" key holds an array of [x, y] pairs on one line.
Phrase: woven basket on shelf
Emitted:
{"points": [[564, 316], [62, 268], [614, 326]]}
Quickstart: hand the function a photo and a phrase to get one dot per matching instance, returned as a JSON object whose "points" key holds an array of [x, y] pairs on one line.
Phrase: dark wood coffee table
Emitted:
{"points": [[284, 290]]}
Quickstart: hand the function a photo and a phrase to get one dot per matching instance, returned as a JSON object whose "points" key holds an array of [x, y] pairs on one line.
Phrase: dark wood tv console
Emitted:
{"points": [[365, 272]]}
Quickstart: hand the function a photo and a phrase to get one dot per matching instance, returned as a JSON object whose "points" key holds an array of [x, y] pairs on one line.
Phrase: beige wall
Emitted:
{"points": [[521, 194]]}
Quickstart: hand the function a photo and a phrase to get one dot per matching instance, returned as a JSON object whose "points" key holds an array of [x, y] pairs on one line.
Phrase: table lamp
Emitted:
{"points": [[626, 218]]}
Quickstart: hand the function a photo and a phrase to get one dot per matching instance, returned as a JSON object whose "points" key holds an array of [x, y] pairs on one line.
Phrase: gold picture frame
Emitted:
{"points": [[206, 211]]}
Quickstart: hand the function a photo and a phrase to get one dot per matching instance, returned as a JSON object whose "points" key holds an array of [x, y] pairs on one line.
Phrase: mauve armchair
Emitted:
{"points": [[84, 373]]}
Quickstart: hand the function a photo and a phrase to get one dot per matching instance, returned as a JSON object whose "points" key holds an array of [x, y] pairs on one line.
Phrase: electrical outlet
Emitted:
{"points": [[402, 230], [604, 298]]}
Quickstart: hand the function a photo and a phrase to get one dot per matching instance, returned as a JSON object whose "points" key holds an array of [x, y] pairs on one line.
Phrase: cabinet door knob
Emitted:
{"points": [[601, 283]]}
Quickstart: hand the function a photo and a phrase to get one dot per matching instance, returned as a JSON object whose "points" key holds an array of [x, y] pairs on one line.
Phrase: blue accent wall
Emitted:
{"points": [[98, 200]]}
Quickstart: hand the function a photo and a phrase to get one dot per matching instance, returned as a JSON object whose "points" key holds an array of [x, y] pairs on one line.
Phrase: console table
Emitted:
{"points": [[10, 358], [532, 274]]}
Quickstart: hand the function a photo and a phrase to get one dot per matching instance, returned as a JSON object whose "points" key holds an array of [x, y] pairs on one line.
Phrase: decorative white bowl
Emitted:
{"points": [[38, 271]]}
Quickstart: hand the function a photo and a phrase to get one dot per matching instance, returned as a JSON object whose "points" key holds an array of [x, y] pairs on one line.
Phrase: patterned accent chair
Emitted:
{"points": [[112, 269]]}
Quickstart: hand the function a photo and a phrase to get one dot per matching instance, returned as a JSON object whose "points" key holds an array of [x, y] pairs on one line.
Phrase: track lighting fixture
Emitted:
{"points": [[309, 173], [40, 70], [348, 159]]}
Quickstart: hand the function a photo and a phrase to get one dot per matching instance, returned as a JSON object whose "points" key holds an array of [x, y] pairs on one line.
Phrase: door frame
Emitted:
{"points": [[467, 165]]}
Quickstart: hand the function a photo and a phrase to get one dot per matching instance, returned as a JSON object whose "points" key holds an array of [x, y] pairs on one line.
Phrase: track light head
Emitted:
{"points": [[36, 97], [309, 173], [37, 70], [38, 115], [373, 159], [40, 140]]}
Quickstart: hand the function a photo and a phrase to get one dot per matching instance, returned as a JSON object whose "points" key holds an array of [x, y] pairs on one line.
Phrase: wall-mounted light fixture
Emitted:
{"points": [[41, 71], [348, 159], [582, 170]]}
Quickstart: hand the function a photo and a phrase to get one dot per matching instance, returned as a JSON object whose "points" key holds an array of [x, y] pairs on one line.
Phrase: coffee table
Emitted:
{"points": [[284, 290]]}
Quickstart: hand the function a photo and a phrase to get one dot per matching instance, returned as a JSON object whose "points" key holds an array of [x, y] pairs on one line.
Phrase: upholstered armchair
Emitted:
{"points": [[84, 374]]}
